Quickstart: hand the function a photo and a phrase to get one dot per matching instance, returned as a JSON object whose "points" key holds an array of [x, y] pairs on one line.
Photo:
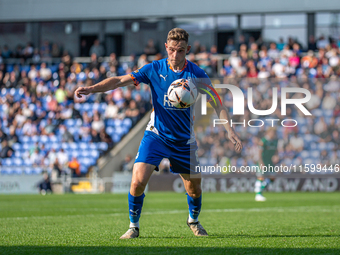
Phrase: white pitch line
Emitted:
{"points": [[267, 209]]}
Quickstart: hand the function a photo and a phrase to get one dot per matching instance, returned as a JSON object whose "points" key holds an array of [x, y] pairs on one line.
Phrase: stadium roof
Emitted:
{"points": [[48, 10]]}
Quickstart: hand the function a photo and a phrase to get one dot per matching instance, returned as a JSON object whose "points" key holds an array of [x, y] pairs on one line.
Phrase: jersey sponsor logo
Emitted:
{"points": [[164, 77], [167, 104]]}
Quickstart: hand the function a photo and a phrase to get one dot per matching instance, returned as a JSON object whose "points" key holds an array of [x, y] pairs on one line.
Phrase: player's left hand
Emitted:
{"points": [[233, 137]]}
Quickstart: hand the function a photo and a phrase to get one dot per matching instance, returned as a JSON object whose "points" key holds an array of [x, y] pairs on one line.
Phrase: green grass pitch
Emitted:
{"points": [[288, 223]]}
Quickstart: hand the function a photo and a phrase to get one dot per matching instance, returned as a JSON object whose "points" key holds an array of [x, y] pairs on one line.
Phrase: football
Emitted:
{"points": [[182, 93]]}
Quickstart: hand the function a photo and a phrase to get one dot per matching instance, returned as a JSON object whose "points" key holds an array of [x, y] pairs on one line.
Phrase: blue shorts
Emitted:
{"points": [[183, 158]]}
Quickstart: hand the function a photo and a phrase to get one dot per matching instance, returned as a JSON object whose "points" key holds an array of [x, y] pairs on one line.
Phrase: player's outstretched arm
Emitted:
{"points": [[233, 137], [105, 85]]}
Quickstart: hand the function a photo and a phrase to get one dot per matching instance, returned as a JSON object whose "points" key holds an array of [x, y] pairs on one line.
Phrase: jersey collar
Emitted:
{"points": [[185, 65]]}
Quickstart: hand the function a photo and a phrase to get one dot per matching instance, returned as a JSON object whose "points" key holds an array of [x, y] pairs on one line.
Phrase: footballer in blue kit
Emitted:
{"points": [[169, 133]]}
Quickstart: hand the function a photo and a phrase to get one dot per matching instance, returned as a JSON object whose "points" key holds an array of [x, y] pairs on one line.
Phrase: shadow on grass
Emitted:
{"points": [[93, 250]]}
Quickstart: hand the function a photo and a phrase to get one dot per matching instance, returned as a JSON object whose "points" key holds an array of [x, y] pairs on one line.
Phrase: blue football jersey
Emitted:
{"points": [[170, 123]]}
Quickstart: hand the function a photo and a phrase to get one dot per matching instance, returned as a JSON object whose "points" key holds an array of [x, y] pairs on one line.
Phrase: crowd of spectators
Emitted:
{"points": [[40, 119], [38, 99]]}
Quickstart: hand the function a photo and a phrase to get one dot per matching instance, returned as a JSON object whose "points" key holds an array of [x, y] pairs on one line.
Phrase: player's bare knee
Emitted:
{"points": [[137, 188], [195, 193]]}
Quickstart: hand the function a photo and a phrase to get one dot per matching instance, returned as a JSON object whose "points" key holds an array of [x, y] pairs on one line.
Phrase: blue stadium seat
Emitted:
{"points": [[65, 146], [83, 146], [330, 146], [94, 154], [328, 113], [53, 139], [204, 161], [322, 146], [75, 154], [27, 162], [315, 154], [74, 146], [119, 131], [34, 138], [115, 137], [17, 161], [86, 107], [110, 122], [240, 162], [304, 154], [16, 146], [83, 169], [85, 153], [102, 107], [317, 112], [25, 139], [118, 122], [93, 146], [26, 146], [7, 162], [6, 170], [18, 153], [37, 170], [43, 139], [28, 170], [69, 123], [110, 130], [56, 146]]}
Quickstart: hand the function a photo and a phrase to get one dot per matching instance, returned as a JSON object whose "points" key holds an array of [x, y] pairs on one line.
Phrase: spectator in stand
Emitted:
{"points": [[133, 112], [45, 72], [312, 43], [45, 49], [229, 47], [36, 158], [60, 94], [94, 61], [142, 60], [127, 164], [33, 73], [296, 143], [28, 51], [111, 110], [6, 52], [55, 52], [74, 166], [3, 136], [66, 136], [150, 48], [104, 137], [6, 151], [273, 52], [45, 185], [62, 158], [97, 49], [97, 123], [322, 42], [329, 102], [95, 137], [84, 49]]}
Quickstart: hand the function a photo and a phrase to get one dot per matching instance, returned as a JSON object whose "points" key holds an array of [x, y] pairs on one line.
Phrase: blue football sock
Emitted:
{"points": [[195, 205], [135, 209]]}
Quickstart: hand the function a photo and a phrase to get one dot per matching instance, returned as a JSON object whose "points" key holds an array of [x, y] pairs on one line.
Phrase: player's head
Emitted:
{"points": [[271, 132], [177, 46]]}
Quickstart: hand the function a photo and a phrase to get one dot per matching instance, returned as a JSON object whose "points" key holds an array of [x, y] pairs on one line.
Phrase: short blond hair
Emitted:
{"points": [[178, 34]]}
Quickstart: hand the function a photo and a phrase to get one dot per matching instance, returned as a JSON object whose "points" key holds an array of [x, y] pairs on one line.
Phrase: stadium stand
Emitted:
{"points": [[43, 126]]}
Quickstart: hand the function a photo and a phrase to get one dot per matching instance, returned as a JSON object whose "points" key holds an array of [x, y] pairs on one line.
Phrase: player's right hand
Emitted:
{"points": [[82, 91]]}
